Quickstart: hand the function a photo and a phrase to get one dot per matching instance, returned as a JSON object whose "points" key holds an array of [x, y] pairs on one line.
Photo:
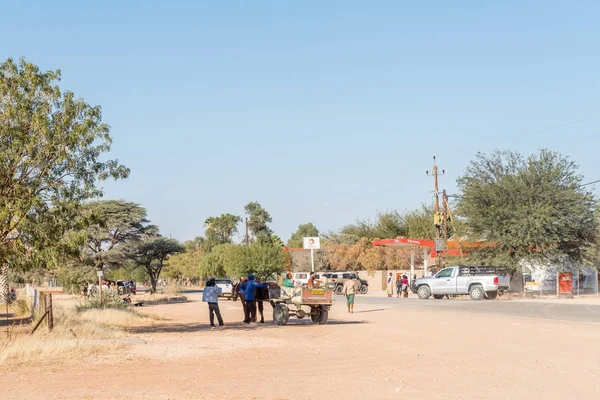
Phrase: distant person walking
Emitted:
{"points": [[349, 290], [210, 295], [398, 286], [247, 288], [404, 286], [390, 285]]}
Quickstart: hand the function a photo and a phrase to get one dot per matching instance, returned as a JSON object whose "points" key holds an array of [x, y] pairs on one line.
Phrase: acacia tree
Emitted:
{"points": [[152, 253], [52, 151], [111, 224], [527, 208]]}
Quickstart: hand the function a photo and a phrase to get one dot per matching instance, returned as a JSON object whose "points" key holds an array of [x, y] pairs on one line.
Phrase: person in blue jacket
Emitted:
{"points": [[247, 288]]}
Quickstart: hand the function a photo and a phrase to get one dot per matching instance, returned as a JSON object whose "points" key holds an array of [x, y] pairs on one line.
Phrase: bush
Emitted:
{"points": [[110, 299], [23, 307]]}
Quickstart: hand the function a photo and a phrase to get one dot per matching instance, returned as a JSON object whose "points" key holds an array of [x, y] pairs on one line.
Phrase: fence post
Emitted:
{"points": [[50, 313]]}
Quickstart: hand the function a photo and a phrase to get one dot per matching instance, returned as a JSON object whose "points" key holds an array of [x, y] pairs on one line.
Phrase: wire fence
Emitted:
{"points": [[27, 310]]}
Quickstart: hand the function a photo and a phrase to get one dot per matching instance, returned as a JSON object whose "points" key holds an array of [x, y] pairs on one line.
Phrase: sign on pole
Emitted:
{"points": [[439, 245], [99, 273], [312, 243]]}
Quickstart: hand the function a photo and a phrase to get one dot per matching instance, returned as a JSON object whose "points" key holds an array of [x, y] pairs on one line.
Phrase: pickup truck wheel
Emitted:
{"points": [[438, 296], [363, 289], [476, 292], [491, 295], [423, 292]]}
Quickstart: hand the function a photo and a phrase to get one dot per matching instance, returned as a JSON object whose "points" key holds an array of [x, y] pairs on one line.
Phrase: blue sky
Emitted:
{"points": [[320, 111]]}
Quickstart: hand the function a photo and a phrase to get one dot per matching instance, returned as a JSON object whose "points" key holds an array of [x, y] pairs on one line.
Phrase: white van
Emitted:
{"points": [[300, 278]]}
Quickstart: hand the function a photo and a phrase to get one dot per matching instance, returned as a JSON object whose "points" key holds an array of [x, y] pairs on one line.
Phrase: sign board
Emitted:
{"points": [[439, 245], [565, 283], [100, 273], [312, 243]]}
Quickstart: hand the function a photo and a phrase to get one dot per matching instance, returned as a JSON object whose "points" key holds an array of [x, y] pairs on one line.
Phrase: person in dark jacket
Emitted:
{"points": [[247, 288]]}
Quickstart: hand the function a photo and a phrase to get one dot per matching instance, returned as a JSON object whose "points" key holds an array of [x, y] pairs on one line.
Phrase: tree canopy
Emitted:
{"points": [[151, 253], [258, 222], [304, 230], [52, 154], [112, 223], [220, 230], [527, 208]]}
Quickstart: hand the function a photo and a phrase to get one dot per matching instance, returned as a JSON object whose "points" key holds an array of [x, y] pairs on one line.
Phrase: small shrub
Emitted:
{"points": [[110, 299], [22, 307], [174, 290]]}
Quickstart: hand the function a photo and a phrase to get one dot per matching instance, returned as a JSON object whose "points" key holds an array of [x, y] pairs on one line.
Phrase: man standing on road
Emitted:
{"points": [[247, 289], [349, 290], [210, 295]]}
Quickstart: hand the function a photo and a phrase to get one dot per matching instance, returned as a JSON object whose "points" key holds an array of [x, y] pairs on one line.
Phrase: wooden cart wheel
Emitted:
{"points": [[281, 314], [319, 315]]}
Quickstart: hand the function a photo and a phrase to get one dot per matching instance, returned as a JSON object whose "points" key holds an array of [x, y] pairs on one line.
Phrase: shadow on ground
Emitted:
{"points": [[237, 326], [366, 311]]}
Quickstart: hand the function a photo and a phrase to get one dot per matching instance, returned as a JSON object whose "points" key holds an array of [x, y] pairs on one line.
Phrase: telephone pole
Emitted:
{"points": [[247, 236], [446, 213], [438, 217]]}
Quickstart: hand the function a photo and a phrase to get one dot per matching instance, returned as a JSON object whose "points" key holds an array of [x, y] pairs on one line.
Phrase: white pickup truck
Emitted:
{"points": [[479, 282]]}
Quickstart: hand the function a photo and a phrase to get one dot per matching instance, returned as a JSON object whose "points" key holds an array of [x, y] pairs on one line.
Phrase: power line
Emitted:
{"points": [[590, 183]]}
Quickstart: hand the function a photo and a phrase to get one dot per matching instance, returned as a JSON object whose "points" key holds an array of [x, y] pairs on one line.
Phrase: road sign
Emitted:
{"points": [[100, 273], [312, 243], [439, 245]]}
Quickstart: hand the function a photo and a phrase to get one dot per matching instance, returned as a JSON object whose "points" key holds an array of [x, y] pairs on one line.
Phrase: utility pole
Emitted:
{"points": [[446, 212], [247, 236], [438, 218]]}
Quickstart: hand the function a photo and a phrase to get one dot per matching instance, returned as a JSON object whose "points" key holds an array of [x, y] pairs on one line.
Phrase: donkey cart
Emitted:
{"points": [[318, 300]]}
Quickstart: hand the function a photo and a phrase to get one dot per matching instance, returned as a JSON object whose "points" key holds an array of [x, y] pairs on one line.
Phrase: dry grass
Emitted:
{"points": [[160, 298], [76, 335]]}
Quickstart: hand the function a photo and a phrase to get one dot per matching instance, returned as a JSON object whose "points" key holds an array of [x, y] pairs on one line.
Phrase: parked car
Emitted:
{"points": [[479, 282], [300, 278], [338, 279], [226, 287]]}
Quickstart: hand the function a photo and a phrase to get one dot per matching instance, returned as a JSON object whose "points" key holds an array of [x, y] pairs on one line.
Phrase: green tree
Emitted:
{"points": [[420, 223], [113, 223], [527, 208], [213, 263], [152, 253], [262, 259], [258, 220], [220, 230], [387, 225], [304, 230], [52, 154], [277, 240], [185, 265]]}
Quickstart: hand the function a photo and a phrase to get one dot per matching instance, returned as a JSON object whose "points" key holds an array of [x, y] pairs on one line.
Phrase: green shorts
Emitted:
{"points": [[349, 299]]}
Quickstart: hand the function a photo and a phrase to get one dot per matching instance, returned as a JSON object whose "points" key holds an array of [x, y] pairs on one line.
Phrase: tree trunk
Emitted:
{"points": [[3, 283], [153, 280]]}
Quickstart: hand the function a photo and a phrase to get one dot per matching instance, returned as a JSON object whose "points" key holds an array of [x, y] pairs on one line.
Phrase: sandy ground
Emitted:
{"points": [[376, 353]]}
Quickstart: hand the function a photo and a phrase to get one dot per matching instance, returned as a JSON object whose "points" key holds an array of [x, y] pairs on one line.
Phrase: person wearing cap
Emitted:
{"points": [[247, 288], [210, 295]]}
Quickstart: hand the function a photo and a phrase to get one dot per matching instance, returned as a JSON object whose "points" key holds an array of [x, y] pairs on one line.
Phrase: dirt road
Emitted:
{"points": [[380, 352]]}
